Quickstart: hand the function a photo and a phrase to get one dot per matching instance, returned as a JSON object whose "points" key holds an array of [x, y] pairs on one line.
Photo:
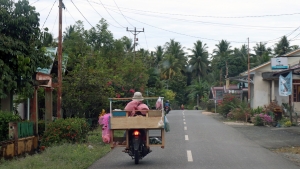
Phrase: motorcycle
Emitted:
{"points": [[167, 109], [137, 145]]}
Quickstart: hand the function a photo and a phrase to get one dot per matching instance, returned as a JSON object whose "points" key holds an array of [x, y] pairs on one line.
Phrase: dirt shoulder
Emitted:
{"points": [[284, 140]]}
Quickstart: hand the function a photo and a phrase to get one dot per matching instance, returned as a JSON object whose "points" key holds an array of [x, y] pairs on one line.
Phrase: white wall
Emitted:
{"points": [[261, 95]]}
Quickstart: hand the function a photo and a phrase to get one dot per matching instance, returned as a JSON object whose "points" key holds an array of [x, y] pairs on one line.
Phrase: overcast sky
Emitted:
{"points": [[185, 21]]}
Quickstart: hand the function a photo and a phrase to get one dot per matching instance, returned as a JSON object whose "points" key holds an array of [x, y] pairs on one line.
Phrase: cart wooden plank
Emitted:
{"points": [[134, 122]]}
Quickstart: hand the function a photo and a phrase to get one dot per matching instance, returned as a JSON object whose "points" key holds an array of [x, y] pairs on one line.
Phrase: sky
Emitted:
{"points": [[185, 21]]}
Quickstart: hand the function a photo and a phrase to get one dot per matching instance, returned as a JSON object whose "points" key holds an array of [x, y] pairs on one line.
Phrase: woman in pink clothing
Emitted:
{"points": [[136, 106]]}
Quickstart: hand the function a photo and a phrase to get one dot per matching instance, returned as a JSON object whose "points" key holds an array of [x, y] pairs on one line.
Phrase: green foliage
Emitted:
{"points": [[67, 156], [258, 121], [229, 102], [20, 50], [5, 118], [210, 105], [257, 110], [285, 122], [70, 130], [41, 127], [178, 85], [241, 111]]}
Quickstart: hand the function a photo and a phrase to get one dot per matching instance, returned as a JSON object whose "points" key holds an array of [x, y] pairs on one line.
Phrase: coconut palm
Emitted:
{"points": [[260, 49], [159, 51], [199, 59], [170, 66], [282, 47], [174, 48], [223, 49]]}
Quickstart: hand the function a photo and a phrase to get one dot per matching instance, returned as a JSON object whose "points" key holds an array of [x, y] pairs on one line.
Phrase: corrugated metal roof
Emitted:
{"points": [[50, 52]]}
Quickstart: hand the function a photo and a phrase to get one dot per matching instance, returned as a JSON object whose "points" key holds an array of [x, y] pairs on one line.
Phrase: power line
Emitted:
{"points": [[211, 16], [34, 2], [110, 14], [48, 14], [70, 14], [146, 41], [54, 22], [122, 14], [65, 18], [101, 15], [213, 23], [81, 14]]}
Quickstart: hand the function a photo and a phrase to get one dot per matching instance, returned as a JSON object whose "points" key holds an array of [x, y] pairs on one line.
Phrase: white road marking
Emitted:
{"points": [[183, 119], [183, 112], [189, 156], [186, 137], [183, 116], [184, 123], [185, 128]]}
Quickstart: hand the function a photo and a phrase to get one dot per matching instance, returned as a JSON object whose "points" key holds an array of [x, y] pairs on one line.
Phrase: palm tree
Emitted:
{"points": [[174, 48], [159, 52], [260, 49], [282, 47], [69, 30], [170, 66], [199, 59], [223, 49]]}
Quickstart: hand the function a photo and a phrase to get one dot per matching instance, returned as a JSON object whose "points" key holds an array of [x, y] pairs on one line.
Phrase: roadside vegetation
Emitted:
{"points": [[65, 155], [99, 67]]}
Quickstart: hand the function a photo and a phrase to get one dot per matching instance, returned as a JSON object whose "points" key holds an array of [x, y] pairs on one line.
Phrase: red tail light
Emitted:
{"points": [[136, 133]]}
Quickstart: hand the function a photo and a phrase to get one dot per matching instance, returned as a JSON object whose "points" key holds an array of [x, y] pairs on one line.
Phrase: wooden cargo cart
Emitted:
{"points": [[121, 122]]}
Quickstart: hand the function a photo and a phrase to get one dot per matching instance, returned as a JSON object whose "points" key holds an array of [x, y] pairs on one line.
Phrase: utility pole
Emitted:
{"points": [[220, 77], [249, 91], [226, 70], [134, 32], [59, 62]]}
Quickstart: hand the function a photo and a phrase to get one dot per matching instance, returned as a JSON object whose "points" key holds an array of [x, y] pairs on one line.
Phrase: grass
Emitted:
{"points": [[66, 156]]}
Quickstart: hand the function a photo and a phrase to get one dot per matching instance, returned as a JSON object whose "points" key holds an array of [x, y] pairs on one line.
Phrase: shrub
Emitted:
{"points": [[261, 119], [258, 110], [70, 130], [210, 106], [241, 111], [5, 118], [258, 121], [285, 122], [230, 116], [229, 102], [41, 127], [288, 124]]}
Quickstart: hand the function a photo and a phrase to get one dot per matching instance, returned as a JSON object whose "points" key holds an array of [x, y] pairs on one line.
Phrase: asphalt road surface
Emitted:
{"points": [[197, 141]]}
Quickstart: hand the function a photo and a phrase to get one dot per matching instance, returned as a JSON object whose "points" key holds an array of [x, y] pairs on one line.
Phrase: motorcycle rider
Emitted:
{"points": [[136, 106], [167, 104]]}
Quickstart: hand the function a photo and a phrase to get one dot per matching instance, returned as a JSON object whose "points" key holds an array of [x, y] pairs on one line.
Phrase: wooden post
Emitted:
{"points": [[48, 106]]}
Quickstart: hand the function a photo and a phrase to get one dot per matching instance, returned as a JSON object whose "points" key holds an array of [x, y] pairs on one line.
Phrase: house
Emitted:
{"points": [[239, 91], [264, 81]]}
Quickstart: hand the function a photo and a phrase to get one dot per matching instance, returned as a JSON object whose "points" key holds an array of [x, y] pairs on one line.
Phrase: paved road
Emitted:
{"points": [[200, 141]]}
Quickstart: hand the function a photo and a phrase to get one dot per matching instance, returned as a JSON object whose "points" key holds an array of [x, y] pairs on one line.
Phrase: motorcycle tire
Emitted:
{"points": [[136, 156]]}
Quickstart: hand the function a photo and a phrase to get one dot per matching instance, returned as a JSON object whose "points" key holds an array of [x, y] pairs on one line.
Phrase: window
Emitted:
{"points": [[296, 90]]}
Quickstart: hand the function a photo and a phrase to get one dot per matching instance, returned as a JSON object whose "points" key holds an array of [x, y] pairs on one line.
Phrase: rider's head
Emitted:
{"points": [[138, 96], [167, 101]]}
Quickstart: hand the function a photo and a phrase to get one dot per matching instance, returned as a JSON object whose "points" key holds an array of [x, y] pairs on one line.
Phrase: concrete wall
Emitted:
{"points": [[261, 95]]}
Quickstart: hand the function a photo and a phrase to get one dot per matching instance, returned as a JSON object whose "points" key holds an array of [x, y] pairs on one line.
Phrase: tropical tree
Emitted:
{"points": [[159, 52], [197, 89], [282, 47], [170, 66], [174, 48], [199, 59], [220, 57], [21, 52]]}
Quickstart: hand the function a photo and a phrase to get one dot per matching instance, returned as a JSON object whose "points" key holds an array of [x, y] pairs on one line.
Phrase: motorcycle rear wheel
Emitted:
{"points": [[136, 156]]}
